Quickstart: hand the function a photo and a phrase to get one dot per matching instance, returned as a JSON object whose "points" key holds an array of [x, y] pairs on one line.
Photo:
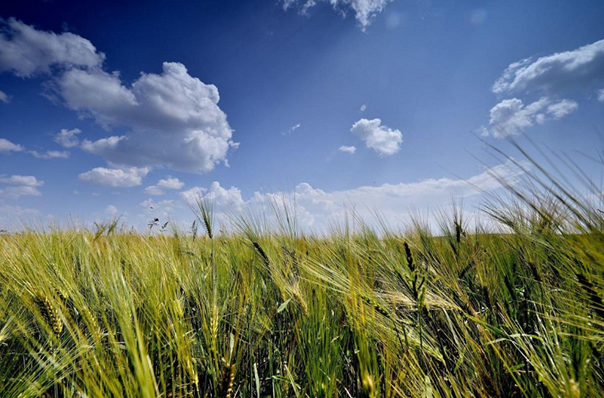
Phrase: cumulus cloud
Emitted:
{"points": [[7, 146], [512, 117], [115, 177], [111, 211], [217, 194], [50, 154], [565, 73], [26, 51], [190, 196], [164, 184], [68, 138], [364, 10], [578, 69], [378, 137], [4, 97], [347, 149], [20, 186], [170, 183], [18, 191], [174, 118], [29, 181], [316, 208], [154, 190]]}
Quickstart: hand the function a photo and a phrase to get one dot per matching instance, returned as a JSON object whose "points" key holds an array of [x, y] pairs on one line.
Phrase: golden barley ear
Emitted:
{"points": [[301, 301], [51, 315], [226, 385]]}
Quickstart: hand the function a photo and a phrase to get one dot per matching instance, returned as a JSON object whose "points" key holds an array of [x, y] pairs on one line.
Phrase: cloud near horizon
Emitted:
{"points": [[317, 209]]}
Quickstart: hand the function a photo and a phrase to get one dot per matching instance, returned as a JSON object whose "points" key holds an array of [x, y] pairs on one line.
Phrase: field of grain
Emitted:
{"points": [[277, 313]]}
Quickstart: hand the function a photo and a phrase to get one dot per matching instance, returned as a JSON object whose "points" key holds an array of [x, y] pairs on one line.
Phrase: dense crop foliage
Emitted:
{"points": [[352, 314]]}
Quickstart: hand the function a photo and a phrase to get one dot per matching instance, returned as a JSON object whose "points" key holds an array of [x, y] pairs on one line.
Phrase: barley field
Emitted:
{"points": [[274, 312]]}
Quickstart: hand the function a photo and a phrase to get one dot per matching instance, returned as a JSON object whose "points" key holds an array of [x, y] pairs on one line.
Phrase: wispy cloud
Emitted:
{"points": [[558, 73], [364, 10], [553, 76], [116, 177], [347, 149], [292, 129], [68, 138], [50, 154], [6, 146], [4, 97]]}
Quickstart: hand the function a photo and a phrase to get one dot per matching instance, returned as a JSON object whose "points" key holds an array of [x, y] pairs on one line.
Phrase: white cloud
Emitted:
{"points": [[98, 94], [170, 183], [154, 190], [29, 181], [190, 195], [512, 117], [4, 97], [347, 149], [26, 51], [111, 211], [378, 137], [167, 183], [364, 10], [560, 72], [174, 118], [116, 177], [218, 195], [7, 146], [561, 108], [50, 154], [18, 191], [601, 95], [292, 129], [363, 108], [317, 208], [68, 138]]}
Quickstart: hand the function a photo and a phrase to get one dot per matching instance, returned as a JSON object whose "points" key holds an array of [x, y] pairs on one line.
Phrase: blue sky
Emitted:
{"points": [[110, 108]]}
